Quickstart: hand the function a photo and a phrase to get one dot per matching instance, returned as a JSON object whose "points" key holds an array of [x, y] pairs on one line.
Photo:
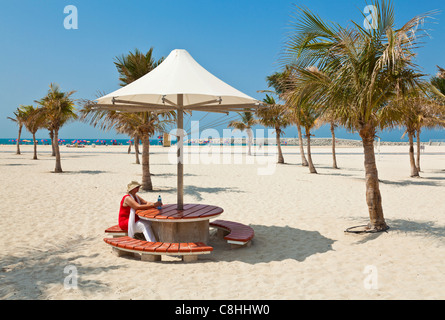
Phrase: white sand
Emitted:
{"points": [[300, 251]]}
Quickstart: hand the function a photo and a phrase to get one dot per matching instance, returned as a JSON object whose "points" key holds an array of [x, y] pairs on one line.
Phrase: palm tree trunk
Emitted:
{"points": [[280, 153], [304, 162], [146, 177], [129, 147], [35, 146], [309, 155], [414, 171], [18, 140], [136, 149], [51, 135], [334, 157], [58, 168], [249, 141], [373, 196], [418, 149]]}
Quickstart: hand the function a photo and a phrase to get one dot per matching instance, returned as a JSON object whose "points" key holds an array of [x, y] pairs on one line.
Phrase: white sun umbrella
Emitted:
{"points": [[179, 83]]}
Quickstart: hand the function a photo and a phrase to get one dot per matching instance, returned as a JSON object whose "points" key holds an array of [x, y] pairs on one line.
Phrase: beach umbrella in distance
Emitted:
{"points": [[180, 84]]}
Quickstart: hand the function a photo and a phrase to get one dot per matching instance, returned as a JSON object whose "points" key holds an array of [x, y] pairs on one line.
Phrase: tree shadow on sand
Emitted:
{"points": [[425, 228], [90, 172], [415, 182], [273, 243], [417, 228], [15, 164], [27, 276], [196, 192]]}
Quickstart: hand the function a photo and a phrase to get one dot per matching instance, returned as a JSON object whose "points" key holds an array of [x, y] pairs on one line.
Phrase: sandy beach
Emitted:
{"points": [[52, 223]]}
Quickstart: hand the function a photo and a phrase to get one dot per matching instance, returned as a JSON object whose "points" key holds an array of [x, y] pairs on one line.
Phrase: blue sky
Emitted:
{"points": [[237, 40]]}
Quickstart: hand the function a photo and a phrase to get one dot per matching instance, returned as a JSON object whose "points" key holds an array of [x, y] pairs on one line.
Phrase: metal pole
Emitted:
{"points": [[180, 122]]}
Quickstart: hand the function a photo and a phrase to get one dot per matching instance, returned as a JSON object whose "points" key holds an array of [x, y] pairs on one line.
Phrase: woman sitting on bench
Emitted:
{"points": [[128, 220]]}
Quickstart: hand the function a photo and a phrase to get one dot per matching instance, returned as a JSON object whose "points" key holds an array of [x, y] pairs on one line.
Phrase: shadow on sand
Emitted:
{"points": [[196, 192], [27, 276], [273, 243], [432, 182], [91, 172], [426, 228]]}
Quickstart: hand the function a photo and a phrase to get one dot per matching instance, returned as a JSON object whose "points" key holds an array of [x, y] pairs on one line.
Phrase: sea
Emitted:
{"points": [[120, 142], [431, 135], [108, 142]]}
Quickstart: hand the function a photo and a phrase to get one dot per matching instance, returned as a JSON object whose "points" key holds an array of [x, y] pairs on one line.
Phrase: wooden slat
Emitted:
{"points": [[129, 244], [203, 247], [154, 212], [116, 241], [173, 248], [177, 214], [150, 213], [184, 247], [163, 247], [114, 229], [205, 212], [169, 208], [144, 246], [187, 211], [199, 247]]}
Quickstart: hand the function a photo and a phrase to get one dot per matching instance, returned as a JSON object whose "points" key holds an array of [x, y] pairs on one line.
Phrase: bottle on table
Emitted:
{"points": [[159, 200]]}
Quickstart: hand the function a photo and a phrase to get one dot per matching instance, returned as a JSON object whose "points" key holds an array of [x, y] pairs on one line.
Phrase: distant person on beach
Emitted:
{"points": [[128, 220]]}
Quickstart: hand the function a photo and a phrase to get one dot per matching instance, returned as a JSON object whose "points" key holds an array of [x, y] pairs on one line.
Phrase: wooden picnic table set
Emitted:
{"points": [[180, 232]]}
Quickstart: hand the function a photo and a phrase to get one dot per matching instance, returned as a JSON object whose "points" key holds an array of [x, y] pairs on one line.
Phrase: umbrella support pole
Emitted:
{"points": [[180, 121]]}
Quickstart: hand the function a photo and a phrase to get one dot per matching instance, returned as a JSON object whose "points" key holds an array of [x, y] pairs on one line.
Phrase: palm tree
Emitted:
{"points": [[34, 120], [411, 114], [329, 117], [58, 109], [279, 81], [438, 83], [441, 73], [310, 117], [131, 67], [419, 109], [134, 65], [363, 68], [19, 119], [305, 111], [274, 115], [245, 124], [140, 125]]}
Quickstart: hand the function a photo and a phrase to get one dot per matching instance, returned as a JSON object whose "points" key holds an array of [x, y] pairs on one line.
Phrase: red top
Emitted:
{"points": [[124, 215]]}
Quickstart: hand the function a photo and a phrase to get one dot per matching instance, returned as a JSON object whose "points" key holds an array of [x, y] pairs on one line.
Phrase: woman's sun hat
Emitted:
{"points": [[132, 185]]}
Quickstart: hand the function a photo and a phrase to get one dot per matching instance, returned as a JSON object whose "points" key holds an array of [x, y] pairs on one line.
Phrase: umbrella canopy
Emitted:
{"points": [[178, 74], [178, 83]]}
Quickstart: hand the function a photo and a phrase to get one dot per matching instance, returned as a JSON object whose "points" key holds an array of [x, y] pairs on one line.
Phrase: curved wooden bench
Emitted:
{"points": [[116, 231], [152, 251], [237, 234]]}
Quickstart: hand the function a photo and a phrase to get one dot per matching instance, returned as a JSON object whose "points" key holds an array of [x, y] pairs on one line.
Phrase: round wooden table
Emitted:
{"points": [[181, 226]]}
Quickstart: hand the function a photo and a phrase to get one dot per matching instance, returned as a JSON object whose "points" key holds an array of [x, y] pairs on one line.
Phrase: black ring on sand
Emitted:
{"points": [[350, 230]]}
